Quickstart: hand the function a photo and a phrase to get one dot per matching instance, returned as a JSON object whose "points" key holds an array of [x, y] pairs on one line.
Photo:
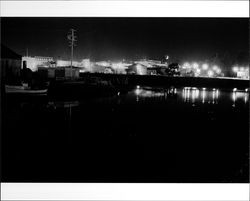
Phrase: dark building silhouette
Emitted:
{"points": [[10, 65]]}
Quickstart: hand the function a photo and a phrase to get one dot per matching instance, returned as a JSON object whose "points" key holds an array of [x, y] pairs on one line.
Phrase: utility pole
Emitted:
{"points": [[72, 42]]}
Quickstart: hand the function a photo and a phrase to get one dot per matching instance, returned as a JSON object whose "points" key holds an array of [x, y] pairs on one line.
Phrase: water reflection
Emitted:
{"points": [[239, 96], [191, 95], [215, 95], [63, 104], [194, 93], [147, 92], [246, 98], [203, 95]]}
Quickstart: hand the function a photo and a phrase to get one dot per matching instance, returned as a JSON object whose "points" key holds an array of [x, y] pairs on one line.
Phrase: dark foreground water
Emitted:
{"points": [[146, 135]]}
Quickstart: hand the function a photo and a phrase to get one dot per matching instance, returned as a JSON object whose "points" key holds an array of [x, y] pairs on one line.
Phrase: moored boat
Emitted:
{"points": [[11, 89]]}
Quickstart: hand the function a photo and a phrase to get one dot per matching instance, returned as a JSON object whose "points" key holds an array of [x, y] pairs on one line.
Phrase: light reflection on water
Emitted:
{"points": [[63, 104], [239, 95], [188, 95], [193, 95]]}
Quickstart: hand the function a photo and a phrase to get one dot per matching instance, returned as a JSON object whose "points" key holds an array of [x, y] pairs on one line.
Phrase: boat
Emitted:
{"points": [[12, 89]]}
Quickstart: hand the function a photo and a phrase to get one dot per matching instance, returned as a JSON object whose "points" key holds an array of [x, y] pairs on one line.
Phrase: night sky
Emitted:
{"points": [[184, 39]]}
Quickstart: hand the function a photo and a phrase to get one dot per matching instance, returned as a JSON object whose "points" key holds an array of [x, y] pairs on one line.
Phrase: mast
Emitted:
{"points": [[72, 42]]}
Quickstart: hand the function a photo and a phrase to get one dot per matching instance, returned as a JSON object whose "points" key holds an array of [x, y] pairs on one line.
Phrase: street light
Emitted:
{"points": [[205, 66], [186, 65], [215, 67], [242, 69], [195, 65], [235, 69], [218, 71], [210, 73]]}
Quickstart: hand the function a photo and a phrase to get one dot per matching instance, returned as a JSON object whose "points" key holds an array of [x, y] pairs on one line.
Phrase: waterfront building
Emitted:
{"points": [[119, 67], [86, 65], [34, 62], [137, 69], [62, 63], [244, 74], [241, 72], [59, 73]]}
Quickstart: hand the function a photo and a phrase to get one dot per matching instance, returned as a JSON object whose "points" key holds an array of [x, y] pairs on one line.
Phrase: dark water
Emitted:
{"points": [[146, 135]]}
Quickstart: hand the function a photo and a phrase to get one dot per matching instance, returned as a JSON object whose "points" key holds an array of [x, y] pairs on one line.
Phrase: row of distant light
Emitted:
{"points": [[204, 67], [240, 69], [194, 88]]}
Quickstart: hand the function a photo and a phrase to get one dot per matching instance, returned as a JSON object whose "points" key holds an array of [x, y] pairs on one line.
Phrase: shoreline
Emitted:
{"points": [[165, 81]]}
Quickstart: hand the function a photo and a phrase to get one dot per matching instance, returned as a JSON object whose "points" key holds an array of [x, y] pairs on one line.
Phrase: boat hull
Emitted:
{"points": [[22, 90]]}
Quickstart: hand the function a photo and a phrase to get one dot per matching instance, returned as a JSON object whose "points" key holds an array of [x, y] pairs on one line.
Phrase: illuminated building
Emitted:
{"points": [[62, 63], [59, 73], [120, 67], [137, 69], [241, 72], [34, 62]]}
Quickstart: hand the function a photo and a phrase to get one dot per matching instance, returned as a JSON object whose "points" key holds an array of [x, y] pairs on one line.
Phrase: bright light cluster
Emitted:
{"points": [[204, 66], [202, 69], [240, 69], [210, 73], [241, 72]]}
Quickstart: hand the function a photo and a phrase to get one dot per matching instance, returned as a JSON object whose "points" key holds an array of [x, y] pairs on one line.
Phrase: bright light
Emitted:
{"points": [[203, 95], [242, 69], [193, 95], [217, 94], [198, 71], [86, 64], [197, 93], [246, 90], [210, 73], [213, 95], [246, 98], [235, 89], [235, 69], [137, 92], [205, 66], [103, 63], [186, 65], [195, 65], [218, 71], [234, 98], [215, 67], [117, 65], [137, 87]]}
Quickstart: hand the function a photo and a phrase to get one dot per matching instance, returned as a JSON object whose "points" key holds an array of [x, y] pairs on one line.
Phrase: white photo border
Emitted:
{"points": [[125, 191], [119, 8]]}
